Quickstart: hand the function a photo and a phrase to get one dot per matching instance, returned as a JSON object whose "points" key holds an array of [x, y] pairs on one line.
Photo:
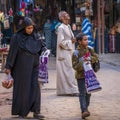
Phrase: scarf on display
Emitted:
{"points": [[87, 29], [2, 17]]}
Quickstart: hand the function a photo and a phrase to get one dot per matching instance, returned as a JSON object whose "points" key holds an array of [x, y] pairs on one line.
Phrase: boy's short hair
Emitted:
{"points": [[80, 36]]}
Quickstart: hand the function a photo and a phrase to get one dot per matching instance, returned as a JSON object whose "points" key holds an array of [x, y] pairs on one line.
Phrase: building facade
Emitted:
{"points": [[102, 14]]}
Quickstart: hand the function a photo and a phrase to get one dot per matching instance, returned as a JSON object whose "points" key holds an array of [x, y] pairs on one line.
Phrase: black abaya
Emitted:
{"points": [[23, 61]]}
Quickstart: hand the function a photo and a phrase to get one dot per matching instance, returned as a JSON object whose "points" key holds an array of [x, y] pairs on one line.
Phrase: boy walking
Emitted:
{"points": [[80, 55]]}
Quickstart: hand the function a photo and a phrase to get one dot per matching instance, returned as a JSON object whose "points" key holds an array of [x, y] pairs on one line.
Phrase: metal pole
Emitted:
{"points": [[0, 5], [99, 27], [103, 25]]}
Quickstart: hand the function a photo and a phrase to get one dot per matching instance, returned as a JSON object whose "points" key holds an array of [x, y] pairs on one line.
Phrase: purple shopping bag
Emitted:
{"points": [[91, 82], [43, 70], [43, 73]]}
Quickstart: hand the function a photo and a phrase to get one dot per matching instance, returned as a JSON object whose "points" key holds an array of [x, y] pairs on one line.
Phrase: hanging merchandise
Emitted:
{"points": [[6, 22], [27, 12], [36, 8], [27, 0], [22, 12], [1, 36], [106, 7], [22, 8], [1, 16], [87, 29], [91, 8], [10, 12], [87, 10], [112, 40], [10, 15]]}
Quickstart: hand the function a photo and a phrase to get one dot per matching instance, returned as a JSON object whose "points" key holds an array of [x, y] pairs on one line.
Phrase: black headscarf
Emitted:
{"points": [[26, 22], [28, 42]]}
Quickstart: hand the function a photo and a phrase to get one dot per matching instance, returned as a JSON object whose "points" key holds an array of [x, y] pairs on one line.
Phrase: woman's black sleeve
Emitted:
{"points": [[12, 54]]}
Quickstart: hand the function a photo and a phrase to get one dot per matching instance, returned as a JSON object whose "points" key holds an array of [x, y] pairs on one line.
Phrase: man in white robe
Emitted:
{"points": [[66, 82]]}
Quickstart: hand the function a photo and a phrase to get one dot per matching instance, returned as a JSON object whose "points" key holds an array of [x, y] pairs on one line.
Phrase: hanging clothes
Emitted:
{"points": [[1, 16], [87, 29]]}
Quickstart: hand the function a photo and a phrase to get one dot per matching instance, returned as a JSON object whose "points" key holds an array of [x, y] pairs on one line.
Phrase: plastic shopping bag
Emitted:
{"points": [[43, 73], [8, 81], [43, 70], [91, 82]]}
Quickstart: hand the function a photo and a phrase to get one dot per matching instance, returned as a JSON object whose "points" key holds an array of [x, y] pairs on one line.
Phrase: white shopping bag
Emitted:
{"points": [[91, 82]]}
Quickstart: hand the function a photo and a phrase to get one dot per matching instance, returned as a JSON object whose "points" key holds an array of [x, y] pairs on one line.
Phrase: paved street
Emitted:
{"points": [[104, 104]]}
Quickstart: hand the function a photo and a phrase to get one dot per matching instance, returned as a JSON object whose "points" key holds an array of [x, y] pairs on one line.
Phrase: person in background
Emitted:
{"points": [[53, 36], [80, 55], [75, 32], [23, 63], [106, 39], [117, 37], [112, 40], [48, 33], [66, 83], [1, 34]]}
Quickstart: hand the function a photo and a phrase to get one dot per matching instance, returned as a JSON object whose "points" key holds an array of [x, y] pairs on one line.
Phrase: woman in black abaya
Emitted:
{"points": [[23, 62]]}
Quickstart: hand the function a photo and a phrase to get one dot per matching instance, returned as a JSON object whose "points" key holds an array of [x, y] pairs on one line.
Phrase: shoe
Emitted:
{"points": [[88, 111], [75, 94], [85, 114], [38, 116], [22, 117], [71, 95]]}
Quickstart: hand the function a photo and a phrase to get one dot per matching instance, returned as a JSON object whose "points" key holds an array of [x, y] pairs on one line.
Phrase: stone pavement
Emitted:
{"points": [[67, 108], [58, 107], [111, 58]]}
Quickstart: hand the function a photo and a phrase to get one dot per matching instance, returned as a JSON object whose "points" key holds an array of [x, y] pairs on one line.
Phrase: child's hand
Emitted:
{"points": [[76, 53], [73, 40], [87, 58], [81, 59]]}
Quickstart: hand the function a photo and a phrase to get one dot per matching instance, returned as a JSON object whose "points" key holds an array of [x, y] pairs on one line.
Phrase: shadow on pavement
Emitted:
{"points": [[17, 118]]}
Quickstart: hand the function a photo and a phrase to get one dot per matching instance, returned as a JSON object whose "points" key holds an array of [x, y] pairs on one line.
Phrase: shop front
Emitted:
{"points": [[112, 22], [12, 12], [51, 8], [6, 21]]}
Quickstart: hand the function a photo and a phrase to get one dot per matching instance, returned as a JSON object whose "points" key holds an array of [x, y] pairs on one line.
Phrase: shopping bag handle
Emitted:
{"points": [[45, 53]]}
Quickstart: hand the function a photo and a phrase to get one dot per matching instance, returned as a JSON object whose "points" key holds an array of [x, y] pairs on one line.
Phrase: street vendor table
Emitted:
{"points": [[3, 56]]}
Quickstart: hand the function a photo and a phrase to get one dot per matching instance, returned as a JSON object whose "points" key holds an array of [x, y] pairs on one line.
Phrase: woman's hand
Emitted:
{"points": [[10, 84], [7, 83]]}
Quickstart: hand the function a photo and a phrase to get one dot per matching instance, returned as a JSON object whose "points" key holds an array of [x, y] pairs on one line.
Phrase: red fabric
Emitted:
{"points": [[23, 5], [87, 54]]}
